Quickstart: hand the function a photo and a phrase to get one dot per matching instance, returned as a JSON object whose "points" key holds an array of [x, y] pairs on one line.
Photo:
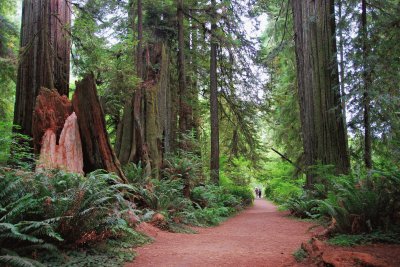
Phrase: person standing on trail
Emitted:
{"points": [[257, 192]]}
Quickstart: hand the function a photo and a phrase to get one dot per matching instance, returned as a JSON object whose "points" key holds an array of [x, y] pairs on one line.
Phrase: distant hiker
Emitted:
{"points": [[257, 191]]}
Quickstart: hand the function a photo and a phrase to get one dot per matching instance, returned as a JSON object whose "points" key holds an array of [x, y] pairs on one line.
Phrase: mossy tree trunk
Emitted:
{"points": [[145, 133], [323, 129]]}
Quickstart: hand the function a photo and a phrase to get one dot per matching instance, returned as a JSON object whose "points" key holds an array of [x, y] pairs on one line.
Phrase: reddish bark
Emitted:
{"points": [[51, 111], [97, 151], [45, 51]]}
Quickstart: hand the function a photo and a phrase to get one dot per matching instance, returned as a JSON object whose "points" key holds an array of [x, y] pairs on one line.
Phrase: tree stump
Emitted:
{"points": [[51, 111], [67, 155], [97, 151]]}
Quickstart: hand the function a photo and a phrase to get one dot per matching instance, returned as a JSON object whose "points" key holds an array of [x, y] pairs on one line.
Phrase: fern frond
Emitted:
{"points": [[17, 261]]}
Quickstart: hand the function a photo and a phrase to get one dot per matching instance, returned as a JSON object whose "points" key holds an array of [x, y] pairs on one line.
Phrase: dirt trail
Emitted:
{"points": [[259, 236]]}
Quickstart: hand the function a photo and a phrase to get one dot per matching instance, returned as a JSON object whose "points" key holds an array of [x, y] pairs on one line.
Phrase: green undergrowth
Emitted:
{"points": [[364, 239], [111, 252], [300, 255], [61, 218], [280, 185], [207, 205], [365, 205]]}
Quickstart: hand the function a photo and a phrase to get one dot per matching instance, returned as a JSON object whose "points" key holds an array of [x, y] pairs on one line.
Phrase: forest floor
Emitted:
{"points": [[259, 236]]}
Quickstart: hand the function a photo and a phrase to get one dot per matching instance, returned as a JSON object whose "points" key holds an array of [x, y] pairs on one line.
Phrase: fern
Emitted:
{"points": [[17, 261]]}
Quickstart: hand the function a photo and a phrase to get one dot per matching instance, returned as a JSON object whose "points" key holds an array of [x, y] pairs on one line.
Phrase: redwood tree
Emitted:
{"points": [[323, 128], [45, 55], [185, 110], [366, 75], [214, 161]]}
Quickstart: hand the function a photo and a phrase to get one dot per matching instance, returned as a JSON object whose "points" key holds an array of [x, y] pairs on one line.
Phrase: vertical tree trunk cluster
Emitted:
{"points": [[150, 121], [144, 133], [324, 135], [45, 55]]}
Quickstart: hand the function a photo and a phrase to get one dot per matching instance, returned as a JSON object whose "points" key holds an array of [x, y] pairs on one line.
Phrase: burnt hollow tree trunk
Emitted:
{"points": [[45, 55], [214, 161], [323, 128], [96, 148]]}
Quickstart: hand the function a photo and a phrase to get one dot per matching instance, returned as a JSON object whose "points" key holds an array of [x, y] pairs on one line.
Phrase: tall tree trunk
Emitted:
{"points": [[45, 55], [367, 82], [96, 148], [130, 137], [185, 110], [323, 129], [342, 71], [214, 162], [139, 49], [193, 77]]}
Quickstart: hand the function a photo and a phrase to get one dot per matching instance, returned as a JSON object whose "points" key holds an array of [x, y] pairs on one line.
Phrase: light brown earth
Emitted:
{"points": [[258, 236]]}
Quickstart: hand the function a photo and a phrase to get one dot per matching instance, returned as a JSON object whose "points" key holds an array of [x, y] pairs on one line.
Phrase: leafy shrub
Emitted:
{"points": [[244, 193], [280, 190], [48, 210], [21, 154], [302, 206], [300, 255], [211, 216], [374, 237], [20, 233], [185, 165], [214, 196], [135, 173], [368, 204]]}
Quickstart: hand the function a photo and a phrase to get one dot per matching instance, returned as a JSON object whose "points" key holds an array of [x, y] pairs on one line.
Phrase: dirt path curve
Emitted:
{"points": [[259, 236]]}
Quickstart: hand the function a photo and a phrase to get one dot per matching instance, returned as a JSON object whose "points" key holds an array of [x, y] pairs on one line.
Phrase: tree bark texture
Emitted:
{"points": [[193, 76], [156, 89], [214, 161], [145, 133], [367, 83], [45, 55], [139, 49], [323, 128], [185, 109], [96, 148]]}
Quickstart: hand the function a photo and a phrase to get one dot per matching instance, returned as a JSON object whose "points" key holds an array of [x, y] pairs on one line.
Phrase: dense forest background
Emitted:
{"points": [[190, 110]]}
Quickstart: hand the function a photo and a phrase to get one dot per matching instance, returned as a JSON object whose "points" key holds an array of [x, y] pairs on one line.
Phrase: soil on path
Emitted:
{"points": [[258, 236]]}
